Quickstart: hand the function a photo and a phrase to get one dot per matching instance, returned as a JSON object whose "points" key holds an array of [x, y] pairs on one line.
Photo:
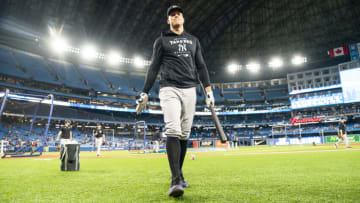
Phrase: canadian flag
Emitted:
{"points": [[340, 51]]}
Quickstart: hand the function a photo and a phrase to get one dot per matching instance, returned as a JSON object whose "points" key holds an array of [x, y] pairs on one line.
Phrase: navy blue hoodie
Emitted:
{"points": [[179, 59]]}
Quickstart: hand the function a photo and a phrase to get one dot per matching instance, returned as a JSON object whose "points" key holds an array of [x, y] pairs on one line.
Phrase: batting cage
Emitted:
{"points": [[292, 134], [110, 138], [139, 143], [35, 113], [279, 132]]}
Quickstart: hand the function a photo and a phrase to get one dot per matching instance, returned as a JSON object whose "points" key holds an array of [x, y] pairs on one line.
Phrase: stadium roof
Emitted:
{"points": [[237, 30]]}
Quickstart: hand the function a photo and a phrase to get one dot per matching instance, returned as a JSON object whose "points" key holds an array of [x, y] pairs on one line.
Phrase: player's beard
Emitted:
{"points": [[176, 25]]}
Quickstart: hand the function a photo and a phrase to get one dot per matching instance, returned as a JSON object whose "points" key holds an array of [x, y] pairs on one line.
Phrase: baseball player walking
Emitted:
{"points": [[65, 133], [156, 141], [178, 57], [100, 138], [342, 134]]}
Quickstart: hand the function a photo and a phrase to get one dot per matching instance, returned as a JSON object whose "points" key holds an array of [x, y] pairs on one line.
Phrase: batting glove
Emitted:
{"points": [[141, 103], [210, 101]]}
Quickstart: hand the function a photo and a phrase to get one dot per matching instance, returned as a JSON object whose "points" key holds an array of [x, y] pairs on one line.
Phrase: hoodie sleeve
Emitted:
{"points": [[154, 66], [201, 66]]}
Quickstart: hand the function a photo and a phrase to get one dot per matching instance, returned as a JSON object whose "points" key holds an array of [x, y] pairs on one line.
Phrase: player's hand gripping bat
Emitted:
{"points": [[215, 118]]}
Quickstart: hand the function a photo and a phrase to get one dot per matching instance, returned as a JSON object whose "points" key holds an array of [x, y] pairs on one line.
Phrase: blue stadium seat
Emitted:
{"points": [[137, 83], [119, 84], [231, 96], [94, 78], [67, 74], [8, 66], [200, 97], [253, 96], [114, 99], [233, 89], [276, 94], [217, 96], [35, 67]]}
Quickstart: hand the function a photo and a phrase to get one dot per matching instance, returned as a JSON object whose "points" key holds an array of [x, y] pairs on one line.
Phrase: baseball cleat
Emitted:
{"points": [[176, 191], [336, 146], [184, 183]]}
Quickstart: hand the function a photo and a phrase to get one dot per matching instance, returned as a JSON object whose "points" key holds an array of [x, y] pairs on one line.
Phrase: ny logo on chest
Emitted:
{"points": [[182, 47]]}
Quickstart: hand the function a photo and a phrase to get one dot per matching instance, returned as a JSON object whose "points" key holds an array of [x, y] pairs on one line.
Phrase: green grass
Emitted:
{"points": [[235, 176]]}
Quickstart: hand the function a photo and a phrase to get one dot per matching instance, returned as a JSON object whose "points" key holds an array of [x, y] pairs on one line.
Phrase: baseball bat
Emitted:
{"points": [[218, 125], [216, 120]]}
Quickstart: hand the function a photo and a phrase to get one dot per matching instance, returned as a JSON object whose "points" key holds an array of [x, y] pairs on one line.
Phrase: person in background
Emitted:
{"points": [[342, 134], [65, 133], [100, 138], [156, 141]]}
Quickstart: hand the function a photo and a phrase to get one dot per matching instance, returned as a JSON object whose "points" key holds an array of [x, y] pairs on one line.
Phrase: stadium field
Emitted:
{"points": [[249, 174]]}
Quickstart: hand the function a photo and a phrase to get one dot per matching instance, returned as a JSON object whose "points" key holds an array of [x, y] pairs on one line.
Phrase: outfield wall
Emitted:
{"points": [[269, 141], [310, 140], [295, 140], [351, 138]]}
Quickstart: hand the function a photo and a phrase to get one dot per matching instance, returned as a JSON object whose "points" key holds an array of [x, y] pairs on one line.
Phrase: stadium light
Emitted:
{"points": [[276, 63], [298, 60], [88, 52], [138, 62], [59, 45], [53, 32], [113, 58], [233, 68], [253, 67]]}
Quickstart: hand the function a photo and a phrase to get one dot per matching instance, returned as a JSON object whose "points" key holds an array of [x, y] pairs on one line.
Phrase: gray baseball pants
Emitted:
{"points": [[178, 106]]}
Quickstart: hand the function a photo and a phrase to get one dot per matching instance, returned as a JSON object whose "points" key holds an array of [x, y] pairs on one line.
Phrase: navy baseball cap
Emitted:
{"points": [[174, 7]]}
